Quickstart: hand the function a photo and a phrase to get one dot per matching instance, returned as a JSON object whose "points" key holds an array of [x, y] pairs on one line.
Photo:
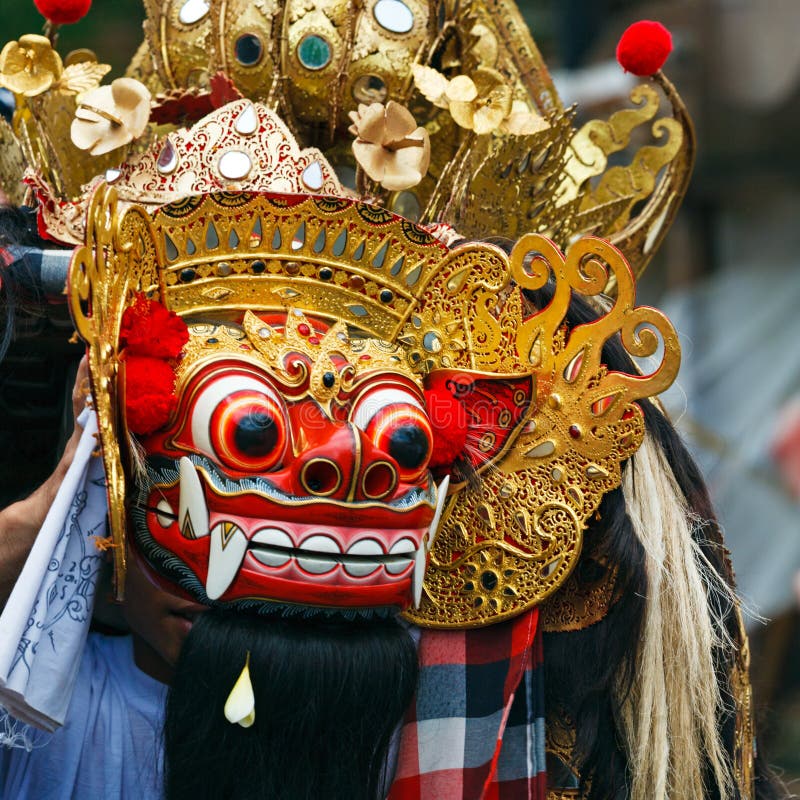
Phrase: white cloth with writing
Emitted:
{"points": [[44, 624]]}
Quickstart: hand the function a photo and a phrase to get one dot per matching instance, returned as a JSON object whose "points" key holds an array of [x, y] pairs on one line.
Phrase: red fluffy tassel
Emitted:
{"points": [[148, 329], [644, 47], [63, 12], [149, 393], [450, 426]]}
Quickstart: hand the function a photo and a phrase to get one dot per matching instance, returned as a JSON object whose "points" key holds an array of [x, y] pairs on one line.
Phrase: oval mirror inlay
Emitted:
{"points": [[407, 205], [167, 159], [247, 122], [312, 176], [314, 52], [369, 89], [193, 11], [248, 49], [393, 16]]}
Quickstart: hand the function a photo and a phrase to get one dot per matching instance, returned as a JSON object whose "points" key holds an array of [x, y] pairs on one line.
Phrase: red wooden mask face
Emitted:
{"points": [[292, 473]]}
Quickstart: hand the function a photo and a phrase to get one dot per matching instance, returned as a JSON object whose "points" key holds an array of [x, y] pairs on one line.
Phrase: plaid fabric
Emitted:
{"points": [[475, 730]]}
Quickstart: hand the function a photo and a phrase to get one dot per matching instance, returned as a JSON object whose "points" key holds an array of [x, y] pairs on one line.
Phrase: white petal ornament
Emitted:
{"points": [[240, 707], [111, 116]]}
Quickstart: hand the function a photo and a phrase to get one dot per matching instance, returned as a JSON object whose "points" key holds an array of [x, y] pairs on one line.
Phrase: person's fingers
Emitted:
{"points": [[80, 390]]}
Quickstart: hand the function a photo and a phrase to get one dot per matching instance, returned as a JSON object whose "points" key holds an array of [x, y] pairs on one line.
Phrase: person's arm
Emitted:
{"points": [[21, 521]]}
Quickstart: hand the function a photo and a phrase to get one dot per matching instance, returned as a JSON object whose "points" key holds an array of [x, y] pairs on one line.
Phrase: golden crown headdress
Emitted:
{"points": [[503, 546], [492, 170], [245, 210]]}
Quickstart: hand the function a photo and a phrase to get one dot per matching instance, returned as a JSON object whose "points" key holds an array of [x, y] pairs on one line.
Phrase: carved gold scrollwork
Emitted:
{"points": [[589, 265], [511, 542], [118, 259]]}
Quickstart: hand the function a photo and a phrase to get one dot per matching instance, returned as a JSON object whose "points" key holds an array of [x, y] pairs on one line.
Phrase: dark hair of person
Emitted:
{"points": [[328, 696], [18, 226]]}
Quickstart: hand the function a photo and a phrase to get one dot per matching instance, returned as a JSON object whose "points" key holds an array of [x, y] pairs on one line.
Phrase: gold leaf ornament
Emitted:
{"points": [[483, 108], [431, 84], [30, 66], [521, 121], [390, 147], [479, 104], [111, 116], [83, 76]]}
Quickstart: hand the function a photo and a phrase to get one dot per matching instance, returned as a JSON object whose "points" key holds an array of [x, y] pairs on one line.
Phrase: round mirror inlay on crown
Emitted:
{"points": [[235, 165], [249, 49], [314, 52]]}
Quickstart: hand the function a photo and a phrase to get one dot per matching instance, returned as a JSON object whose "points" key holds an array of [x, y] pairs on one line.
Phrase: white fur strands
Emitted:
{"points": [[670, 716]]}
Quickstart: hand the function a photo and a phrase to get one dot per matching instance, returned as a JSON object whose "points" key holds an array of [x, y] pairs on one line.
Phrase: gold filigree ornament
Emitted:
{"points": [[242, 146], [375, 278], [505, 158], [511, 541], [12, 165], [511, 170], [481, 104], [46, 94], [116, 262]]}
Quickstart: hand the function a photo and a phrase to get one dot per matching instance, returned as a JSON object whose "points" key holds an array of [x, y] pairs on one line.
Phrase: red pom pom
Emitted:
{"points": [[644, 47], [149, 393], [148, 329], [63, 12], [450, 426]]}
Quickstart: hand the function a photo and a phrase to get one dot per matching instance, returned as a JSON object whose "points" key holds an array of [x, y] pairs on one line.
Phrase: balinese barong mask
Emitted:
{"points": [[306, 398], [338, 367], [302, 466], [313, 393]]}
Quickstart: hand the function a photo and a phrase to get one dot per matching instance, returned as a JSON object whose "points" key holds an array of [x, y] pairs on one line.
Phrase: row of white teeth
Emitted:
{"points": [[311, 554], [318, 554]]}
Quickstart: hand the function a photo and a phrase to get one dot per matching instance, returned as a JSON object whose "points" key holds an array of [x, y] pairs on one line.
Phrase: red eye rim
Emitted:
{"points": [[226, 422], [391, 419]]}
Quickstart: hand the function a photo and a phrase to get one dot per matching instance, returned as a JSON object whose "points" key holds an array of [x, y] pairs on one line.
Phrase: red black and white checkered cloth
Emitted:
{"points": [[475, 730]]}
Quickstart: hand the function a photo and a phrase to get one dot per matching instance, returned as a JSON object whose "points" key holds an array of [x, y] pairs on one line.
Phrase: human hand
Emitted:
{"points": [[81, 394]]}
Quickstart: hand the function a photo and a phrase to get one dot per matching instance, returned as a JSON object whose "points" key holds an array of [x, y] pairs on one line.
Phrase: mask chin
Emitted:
{"points": [[329, 693]]}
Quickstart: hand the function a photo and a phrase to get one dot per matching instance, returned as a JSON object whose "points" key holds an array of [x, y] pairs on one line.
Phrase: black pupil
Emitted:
{"points": [[408, 446], [256, 434]]}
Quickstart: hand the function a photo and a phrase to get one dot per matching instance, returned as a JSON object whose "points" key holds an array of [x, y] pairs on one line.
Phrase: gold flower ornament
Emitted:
{"points": [[483, 104], [29, 66], [390, 147], [111, 116]]}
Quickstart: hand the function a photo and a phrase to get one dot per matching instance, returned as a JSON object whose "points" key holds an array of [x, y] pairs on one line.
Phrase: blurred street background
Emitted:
{"points": [[728, 273]]}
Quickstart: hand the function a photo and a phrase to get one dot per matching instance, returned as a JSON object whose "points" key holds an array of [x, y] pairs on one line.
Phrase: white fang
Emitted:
{"points": [[192, 509], [441, 497], [225, 556]]}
